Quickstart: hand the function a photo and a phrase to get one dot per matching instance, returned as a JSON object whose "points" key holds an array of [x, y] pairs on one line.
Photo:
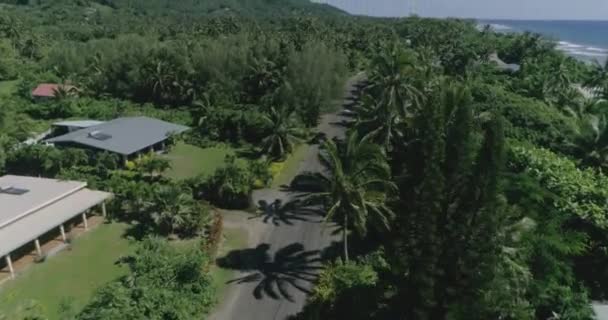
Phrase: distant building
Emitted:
{"points": [[127, 137], [32, 207], [49, 90]]}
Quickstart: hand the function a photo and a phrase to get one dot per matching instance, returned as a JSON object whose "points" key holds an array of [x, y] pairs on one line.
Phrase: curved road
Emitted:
{"points": [[274, 275]]}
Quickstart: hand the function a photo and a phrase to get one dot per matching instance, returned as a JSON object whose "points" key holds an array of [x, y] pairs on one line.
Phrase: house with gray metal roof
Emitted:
{"points": [[124, 136], [73, 125], [33, 207]]}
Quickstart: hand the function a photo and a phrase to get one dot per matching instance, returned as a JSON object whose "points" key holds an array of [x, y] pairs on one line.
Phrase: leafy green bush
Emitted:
{"points": [[581, 192], [39, 160], [527, 119], [346, 290], [229, 187], [164, 282]]}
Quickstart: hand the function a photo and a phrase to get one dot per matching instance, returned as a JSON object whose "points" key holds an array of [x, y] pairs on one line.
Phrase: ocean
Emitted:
{"points": [[586, 40]]}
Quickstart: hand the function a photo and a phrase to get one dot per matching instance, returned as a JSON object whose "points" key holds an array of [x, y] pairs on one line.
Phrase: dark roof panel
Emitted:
{"points": [[123, 135]]}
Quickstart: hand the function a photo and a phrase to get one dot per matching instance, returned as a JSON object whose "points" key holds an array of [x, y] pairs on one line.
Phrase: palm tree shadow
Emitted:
{"points": [[278, 212], [291, 267]]}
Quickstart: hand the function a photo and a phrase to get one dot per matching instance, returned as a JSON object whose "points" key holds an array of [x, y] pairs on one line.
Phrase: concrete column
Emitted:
{"points": [[62, 230], [104, 213], [84, 221], [38, 249], [9, 263]]}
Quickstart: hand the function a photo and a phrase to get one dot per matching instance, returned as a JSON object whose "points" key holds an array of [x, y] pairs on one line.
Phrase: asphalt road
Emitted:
{"points": [[274, 275]]}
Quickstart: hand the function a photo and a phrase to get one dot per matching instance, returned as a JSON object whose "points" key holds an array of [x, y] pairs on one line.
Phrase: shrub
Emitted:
{"points": [[261, 172], [527, 119], [165, 282], [581, 192], [229, 187], [276, 168], [347, 290]]}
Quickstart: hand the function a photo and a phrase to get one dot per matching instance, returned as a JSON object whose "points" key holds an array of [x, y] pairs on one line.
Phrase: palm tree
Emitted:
{"points": [[561, 77], [593, 141], [64, 91], [392, 79], [172, 208], [283, 134], [598, 77], [356, 185], [378, 121]]}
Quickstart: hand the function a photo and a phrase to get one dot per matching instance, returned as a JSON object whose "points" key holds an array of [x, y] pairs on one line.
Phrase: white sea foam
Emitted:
{"points": [[594, 49], [566, 44], [500, 27], [586, 53]]}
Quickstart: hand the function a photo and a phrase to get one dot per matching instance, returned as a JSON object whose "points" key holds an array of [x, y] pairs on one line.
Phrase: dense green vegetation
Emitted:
{"points": [[462, 191]]}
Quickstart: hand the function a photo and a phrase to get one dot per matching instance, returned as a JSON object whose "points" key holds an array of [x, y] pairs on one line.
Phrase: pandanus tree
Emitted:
{"points": [[355, 185], [283, 133]]}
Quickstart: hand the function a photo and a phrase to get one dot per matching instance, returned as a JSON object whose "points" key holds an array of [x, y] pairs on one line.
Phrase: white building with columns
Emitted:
{"points": [[30, 207]]}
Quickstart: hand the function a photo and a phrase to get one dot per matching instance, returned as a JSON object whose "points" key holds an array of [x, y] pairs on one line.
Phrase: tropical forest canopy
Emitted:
{"points": [[464, 191]]}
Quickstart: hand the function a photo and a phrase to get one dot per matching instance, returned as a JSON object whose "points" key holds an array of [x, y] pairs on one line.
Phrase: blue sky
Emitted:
{"points": [[501, 9]]}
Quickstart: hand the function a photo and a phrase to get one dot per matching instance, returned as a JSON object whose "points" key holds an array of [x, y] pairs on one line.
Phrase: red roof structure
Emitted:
{"points": [[48, 90]]}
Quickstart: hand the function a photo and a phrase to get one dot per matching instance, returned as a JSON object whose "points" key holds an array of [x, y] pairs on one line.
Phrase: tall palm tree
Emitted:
{"points": [[392, 79], [355, 185], [379, 121], [283, 135]]}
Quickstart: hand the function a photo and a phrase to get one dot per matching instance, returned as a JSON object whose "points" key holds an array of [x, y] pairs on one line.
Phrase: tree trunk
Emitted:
{"points": [[345, 237]]}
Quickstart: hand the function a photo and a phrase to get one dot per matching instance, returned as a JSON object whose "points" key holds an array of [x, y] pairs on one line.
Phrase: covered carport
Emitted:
{"points": [[31, 207]]}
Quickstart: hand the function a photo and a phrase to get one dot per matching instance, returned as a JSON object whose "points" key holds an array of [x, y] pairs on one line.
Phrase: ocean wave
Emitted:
{"points": [[594, 49], [581, 51], [566, 44], [585, 53], [500, 27]]}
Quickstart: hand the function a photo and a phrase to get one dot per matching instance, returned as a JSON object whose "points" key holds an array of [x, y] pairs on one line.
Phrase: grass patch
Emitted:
{"points": [[188, 161], [233, 239], [289, 167], [8, 87], [72, 276]]}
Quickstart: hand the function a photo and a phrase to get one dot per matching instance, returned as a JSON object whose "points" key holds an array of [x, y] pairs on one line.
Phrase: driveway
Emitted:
{"points": [[277, 271]]}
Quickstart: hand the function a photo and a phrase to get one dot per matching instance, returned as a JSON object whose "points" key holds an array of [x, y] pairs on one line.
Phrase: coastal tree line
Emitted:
{"points": [[462, 191]]}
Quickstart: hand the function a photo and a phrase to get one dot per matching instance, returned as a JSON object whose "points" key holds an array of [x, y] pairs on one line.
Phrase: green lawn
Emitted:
{"points": [[233, 239], [8, 87], [188, 161], [290, 166], [73, 275]]}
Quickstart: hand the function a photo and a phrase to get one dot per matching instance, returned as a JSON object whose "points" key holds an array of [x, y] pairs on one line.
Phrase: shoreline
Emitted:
{"points": [[585, 52]]}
